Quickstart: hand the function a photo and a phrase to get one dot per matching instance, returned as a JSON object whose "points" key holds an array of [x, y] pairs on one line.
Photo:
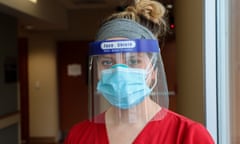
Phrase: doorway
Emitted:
{"points": [[72, 85]]}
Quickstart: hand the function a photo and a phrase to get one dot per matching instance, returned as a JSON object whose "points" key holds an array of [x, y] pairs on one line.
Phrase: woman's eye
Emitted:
{"points": [[107, 63], [133, 62]]}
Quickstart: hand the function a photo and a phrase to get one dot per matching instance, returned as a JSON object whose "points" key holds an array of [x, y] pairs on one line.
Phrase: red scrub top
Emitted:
{"points": [[172, 129]]}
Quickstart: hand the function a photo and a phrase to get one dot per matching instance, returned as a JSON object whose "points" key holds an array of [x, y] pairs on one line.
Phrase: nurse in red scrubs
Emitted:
{"points": [[128, 93]]}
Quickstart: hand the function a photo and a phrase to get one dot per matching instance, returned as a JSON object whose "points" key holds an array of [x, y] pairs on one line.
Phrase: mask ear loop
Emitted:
{"points": [[155, 83], [151, 70], [152, 67]]}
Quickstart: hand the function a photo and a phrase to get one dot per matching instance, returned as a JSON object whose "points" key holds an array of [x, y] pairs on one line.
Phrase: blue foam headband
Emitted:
{"points": [[123, 46]]}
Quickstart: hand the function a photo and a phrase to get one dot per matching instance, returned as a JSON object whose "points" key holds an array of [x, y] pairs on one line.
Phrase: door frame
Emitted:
{"points": [[23, 87]]}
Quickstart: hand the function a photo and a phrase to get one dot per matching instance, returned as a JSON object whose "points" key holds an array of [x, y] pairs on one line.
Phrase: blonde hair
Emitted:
{"points": [[149, 13]]}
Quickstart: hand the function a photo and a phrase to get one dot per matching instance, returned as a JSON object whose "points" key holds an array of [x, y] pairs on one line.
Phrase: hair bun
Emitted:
{"points": [[149, 13], [150, 9]]}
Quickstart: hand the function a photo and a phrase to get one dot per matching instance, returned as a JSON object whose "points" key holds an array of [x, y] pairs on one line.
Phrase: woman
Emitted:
{"points": [[127, 85]]}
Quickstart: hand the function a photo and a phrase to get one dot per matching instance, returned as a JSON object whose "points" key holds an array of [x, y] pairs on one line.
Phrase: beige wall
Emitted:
{"points": [[189, 33], [83, 24], [43, 97]]}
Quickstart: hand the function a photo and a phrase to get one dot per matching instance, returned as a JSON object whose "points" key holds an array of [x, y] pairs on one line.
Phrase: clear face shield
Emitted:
{"points": [[126, 81]]}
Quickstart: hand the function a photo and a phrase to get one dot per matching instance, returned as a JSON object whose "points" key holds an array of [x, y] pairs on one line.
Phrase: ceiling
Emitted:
{"points": [[88, 4], [91, 5]]}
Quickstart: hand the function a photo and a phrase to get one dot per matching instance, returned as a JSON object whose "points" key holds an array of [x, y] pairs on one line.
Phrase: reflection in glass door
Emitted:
{"points": [[234, 49], [228, 71]]}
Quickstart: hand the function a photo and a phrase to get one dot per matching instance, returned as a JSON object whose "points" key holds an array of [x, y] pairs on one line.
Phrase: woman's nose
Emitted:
{"points": [[120, 59]]}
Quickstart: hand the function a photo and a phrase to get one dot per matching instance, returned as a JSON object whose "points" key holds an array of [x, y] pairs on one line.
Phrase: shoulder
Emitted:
{"points": [[191, 131], [87, 131], [77, 131], [82, 132], [178, 118], [86, 125], [80, 126]]}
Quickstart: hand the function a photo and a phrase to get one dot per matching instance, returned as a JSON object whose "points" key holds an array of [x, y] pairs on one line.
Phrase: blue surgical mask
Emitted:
{"points": [[122, 86]]}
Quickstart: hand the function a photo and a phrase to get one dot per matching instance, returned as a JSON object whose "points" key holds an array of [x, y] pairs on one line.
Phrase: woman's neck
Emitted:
{"points": [[141, 113]]}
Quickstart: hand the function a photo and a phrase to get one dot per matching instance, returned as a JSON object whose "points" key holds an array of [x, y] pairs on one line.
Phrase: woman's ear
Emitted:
{"points": [[153, 77]]}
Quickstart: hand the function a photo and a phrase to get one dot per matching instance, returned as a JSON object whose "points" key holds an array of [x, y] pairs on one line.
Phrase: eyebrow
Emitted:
{"points": [[130, 55], [105, 56], [136, 55]]}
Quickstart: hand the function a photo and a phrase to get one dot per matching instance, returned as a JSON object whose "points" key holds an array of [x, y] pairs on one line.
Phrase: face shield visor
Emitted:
{"points": [[126, 81]]}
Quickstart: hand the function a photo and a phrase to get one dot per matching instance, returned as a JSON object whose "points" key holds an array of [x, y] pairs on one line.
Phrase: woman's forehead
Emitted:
{"points": [[124, 55]]}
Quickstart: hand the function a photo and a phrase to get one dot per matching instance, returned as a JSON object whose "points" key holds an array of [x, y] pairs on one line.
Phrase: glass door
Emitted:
{"points": [[222, 70]]}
